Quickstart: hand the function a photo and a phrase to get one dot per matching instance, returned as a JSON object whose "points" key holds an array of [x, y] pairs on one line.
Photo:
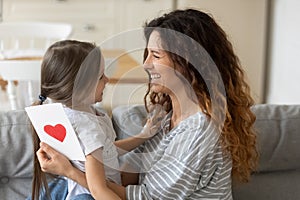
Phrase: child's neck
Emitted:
{"points": [[84, 108]]}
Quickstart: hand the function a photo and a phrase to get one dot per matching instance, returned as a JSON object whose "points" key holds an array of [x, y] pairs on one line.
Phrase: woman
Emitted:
{"points": [[207, 137]]}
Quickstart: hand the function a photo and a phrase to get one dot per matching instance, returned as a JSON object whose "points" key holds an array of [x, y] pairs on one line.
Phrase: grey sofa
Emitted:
{"points": [[278, 127]]}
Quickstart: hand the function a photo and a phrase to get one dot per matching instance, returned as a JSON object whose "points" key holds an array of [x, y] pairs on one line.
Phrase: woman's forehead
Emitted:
{"points": [[154, 41]]}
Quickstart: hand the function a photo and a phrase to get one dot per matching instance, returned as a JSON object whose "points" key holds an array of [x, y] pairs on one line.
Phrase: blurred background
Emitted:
{"points": [[264, 34]]}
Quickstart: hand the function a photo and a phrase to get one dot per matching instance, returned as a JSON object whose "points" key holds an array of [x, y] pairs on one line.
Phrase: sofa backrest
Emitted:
{"points": [[16, 153], [278, 138]]}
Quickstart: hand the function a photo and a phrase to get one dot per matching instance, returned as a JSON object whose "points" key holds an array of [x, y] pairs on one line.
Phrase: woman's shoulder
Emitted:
{"points": [[196, 122], [194, 134]]}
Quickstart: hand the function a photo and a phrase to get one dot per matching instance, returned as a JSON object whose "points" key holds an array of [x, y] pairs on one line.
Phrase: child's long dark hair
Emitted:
{"points": [[61, 71]]}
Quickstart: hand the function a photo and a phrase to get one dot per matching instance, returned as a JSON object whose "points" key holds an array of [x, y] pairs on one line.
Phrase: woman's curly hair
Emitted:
{"points": [[237, 134]]}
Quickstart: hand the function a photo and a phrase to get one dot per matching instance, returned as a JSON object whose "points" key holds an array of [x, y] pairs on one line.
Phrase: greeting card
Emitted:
{"points": [[54, 128]]}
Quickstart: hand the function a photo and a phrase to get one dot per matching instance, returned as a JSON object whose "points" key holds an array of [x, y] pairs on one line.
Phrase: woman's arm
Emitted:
{"points": [[96, 179], [54, 162]]}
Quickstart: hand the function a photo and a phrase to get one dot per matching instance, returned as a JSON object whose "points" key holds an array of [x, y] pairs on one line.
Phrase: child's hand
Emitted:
{"points": [[153, 123], [52, 161]]}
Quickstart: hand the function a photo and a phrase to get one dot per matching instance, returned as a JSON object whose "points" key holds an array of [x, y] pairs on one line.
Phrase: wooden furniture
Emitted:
{"points": [[97, 21], [22, 45], [30, 39], [92, 20], [245, 23], [20, 70], [3, 84], [123, 68]]}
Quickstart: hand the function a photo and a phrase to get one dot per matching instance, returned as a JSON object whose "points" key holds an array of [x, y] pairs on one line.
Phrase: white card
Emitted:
{"points": [[54, 128]]}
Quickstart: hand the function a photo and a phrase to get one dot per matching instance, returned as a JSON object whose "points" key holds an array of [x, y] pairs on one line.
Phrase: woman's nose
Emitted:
{"points": [[148, 63]]}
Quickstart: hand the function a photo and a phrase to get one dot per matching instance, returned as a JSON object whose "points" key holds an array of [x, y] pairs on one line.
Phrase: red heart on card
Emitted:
{"points": [[58, 131]]}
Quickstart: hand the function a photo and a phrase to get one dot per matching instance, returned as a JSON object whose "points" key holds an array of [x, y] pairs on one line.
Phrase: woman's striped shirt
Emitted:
{"points": [[184, 163]]}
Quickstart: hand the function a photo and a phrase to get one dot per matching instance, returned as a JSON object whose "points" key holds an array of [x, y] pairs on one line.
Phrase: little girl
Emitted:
{"points": [[72, 73]]}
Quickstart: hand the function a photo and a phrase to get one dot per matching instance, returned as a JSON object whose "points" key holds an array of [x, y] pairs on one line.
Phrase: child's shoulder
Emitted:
{"points": [[93, 115], [77, 115]]}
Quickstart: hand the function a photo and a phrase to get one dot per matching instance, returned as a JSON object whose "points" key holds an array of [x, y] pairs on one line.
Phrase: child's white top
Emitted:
{"points": [[94, 132]]}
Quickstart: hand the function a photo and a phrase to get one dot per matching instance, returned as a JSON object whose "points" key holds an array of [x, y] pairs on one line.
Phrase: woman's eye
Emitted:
{"points": [[155, 56]]}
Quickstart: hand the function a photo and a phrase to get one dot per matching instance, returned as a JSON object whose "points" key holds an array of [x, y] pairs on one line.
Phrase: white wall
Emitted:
{"points": [[1, 11], [284, 68], [245, 22]]}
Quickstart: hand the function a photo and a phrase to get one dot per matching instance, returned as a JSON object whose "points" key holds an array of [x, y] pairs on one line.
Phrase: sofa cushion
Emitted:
{"points": [[128, 120], [16, 153]]}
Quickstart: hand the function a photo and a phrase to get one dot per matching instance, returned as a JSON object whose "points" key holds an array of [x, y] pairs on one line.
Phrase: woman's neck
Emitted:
{"points": [[183, 107]]}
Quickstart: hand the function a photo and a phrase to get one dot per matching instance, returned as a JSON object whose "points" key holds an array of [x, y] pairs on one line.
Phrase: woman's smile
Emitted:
{"points": [[155, 76]]}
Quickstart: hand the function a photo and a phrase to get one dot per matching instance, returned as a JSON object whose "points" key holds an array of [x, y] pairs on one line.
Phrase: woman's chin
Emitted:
{"points": [[156, 88], [98, 100]]}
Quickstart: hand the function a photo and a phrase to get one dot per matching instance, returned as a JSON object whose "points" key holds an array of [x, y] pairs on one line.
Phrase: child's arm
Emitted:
{"points": [[96, 179], [128, 144], [150, 129]]}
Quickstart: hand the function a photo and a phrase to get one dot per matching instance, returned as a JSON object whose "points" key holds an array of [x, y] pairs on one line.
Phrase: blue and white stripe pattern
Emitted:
{"points": [[184, 163]]}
